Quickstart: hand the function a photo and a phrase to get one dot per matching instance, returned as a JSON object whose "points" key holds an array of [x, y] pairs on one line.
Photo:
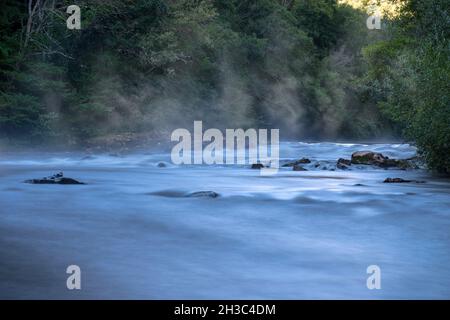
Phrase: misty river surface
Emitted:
{"points": [[294, 235]]}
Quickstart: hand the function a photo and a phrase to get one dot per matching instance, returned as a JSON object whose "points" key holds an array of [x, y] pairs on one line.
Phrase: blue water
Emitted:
{"points": [[295, 235]]}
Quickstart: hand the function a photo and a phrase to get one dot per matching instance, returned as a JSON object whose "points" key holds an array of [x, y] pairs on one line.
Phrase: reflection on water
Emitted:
{"points": [[136, 234]]}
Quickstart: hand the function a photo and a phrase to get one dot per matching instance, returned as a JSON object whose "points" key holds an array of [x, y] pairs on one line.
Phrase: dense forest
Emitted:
{"points": [[141, 68]]}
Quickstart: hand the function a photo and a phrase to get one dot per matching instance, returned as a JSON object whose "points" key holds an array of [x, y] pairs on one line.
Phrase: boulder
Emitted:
{"points": [[64, 180], [55, 179], [296, 162], [373, 158], [257, 166], [303, 161], [378, 159], [161, 165], [368, 157], [343, 164], [400, 180], [396, 180], [298, 167], [203, 194]]}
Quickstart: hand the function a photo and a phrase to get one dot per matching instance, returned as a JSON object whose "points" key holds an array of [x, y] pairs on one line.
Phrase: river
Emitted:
{"points": [[294, 235]]}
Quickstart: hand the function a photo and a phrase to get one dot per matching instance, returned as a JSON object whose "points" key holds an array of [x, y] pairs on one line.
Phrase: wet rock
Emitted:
{"points": [[301, 161], [298, 167], [161, 165], [375, 159], [343, 164], [257, 166], [378, 159], [55, 179], [304, 160], [396, 180], [67, 181], [390, 163], [203, 194], [400, 180], [368, 157]]}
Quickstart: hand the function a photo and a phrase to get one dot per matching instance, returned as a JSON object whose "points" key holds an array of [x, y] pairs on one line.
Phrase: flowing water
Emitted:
{"points": [[294, 235]]}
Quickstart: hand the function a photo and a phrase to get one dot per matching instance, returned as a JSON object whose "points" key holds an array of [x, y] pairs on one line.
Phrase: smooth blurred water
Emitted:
{"points": [[294, 235]]}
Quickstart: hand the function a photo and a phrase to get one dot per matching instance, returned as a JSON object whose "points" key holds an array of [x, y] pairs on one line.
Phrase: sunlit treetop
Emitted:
{"points": [[388, 8]]}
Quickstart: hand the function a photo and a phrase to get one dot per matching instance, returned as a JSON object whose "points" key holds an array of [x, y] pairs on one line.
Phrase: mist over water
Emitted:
{"points": [[295, 235]]}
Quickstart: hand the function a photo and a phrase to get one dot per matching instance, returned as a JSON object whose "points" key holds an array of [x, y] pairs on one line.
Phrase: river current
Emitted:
{"points": [[295, 235]]}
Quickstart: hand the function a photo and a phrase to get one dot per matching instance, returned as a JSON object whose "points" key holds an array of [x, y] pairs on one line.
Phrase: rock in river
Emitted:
{"points": [[396, 180], [296, 162], [161, 165], [373, 158], [203, 194], [55, 179], [343, 164], [400, 180], [298, 167]]}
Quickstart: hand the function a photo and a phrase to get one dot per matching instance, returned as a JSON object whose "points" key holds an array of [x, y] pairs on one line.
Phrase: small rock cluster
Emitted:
{"points": [[369, 158], [57, 178]]}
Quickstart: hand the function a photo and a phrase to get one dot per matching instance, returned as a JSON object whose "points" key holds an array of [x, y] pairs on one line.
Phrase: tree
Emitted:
{"points": [[409, 76]]}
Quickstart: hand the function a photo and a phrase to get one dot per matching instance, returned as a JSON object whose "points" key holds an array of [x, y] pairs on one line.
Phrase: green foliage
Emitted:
{"points": [[321, 20], [154, 65], [20, 114], [409, 77]]}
